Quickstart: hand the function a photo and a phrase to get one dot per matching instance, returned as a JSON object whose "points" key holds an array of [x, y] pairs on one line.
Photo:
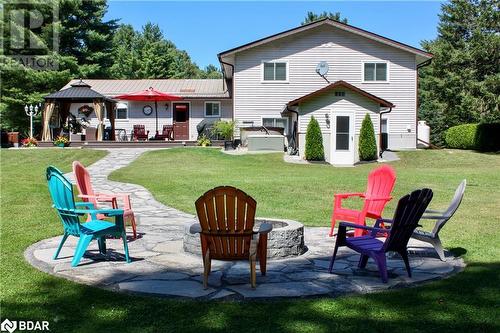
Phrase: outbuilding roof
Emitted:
{"points": [[380, 101], [186, 88]]}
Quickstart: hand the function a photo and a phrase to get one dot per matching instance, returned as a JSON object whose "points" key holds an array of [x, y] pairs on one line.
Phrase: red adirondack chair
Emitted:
{"points": [[140, 133], [88, 195], [378, 193]]}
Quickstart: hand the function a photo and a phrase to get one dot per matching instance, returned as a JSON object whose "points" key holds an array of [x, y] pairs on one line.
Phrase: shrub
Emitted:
{"points": [[223, 128], [488, 137], [204, 141], [314, 142], [483, 137], [367, 143], [461, 136]]}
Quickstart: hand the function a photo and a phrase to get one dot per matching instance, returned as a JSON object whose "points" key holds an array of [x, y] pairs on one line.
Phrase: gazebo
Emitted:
{"points": [[58, 105]]}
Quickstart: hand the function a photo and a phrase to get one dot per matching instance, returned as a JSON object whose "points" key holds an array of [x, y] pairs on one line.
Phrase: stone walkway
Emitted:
{"points": [[161, 267]]}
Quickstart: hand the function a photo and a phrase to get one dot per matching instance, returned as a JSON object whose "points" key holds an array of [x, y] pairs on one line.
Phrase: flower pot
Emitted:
{"points": [[228, 145], [60, 145]]}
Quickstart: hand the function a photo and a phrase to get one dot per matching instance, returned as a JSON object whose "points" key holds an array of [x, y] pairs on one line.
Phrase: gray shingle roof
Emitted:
{"points": [[76, 89], [187, 88]]}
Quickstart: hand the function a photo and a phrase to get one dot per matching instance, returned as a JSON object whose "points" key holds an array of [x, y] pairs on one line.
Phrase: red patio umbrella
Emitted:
{"points": [[149, 95]]}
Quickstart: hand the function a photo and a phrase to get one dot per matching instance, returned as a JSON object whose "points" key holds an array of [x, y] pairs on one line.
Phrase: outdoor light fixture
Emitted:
{"points": [[31, 111], [327, 120]]}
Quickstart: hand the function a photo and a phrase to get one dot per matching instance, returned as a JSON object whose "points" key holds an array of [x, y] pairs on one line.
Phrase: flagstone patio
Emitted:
{"points": [[161, 267]]}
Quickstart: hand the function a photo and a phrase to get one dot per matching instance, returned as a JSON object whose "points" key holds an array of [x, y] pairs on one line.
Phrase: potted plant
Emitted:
{"points": [[204, 141], [29, 142], [61, 141], [225, 130]]}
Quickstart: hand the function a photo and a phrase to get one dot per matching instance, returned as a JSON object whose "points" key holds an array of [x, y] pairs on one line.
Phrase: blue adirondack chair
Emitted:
{"points": [[408, 212], [69, 211]]}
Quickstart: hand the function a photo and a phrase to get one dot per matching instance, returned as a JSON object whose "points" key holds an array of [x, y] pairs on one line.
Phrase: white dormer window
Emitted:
{"points": [[274, 71], [375, 72]]}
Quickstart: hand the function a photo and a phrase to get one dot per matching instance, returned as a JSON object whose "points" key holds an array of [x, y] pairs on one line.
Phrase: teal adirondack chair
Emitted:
{"points": [[69, 211]]}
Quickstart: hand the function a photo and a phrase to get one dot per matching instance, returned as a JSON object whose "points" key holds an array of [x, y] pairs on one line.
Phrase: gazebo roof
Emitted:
{"points": [[77, 91]]}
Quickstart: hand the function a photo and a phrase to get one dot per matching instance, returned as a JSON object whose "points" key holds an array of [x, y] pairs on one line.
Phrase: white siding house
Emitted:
{"points": [[269, 73]]}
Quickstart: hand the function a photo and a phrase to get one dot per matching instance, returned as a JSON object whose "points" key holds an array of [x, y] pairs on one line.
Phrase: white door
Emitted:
{"points": [[342, 151]]}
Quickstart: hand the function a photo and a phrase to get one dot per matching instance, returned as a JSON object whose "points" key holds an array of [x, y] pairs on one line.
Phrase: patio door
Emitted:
{"points": [[181, 121], [342, 151]]}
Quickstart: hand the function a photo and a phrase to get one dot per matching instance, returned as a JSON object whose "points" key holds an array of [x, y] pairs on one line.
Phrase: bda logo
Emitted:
{"points": [[8, 325]]}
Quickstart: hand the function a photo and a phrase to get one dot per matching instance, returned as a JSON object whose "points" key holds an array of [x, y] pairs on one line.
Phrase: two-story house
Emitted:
{"points": [[330, 70], [334, 72]]}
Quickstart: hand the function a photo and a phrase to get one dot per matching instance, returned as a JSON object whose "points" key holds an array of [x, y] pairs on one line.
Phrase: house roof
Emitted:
{"points": [[337, 24], [380, 101], [422, 55], [186, 88], [76, 89]]}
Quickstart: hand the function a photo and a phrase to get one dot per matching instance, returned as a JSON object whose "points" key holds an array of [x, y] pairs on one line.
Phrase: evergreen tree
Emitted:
{"points": [[311, 17], [125, 53], [462, 83], [314, 142], [367, 147]]}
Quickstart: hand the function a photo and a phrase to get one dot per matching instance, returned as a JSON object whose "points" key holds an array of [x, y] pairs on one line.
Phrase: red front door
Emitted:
{"points": [[181, 121]]}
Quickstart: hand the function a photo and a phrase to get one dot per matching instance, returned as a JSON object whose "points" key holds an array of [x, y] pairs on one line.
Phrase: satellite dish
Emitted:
{"points": [[322, 68]]}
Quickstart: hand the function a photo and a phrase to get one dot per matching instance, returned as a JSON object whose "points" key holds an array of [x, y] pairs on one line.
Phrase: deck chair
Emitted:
{"points": [[69, 211], [166, 134], [227, 217], [441, 217], [408, 212], [140, 133], [87, 194], [378, 193]]}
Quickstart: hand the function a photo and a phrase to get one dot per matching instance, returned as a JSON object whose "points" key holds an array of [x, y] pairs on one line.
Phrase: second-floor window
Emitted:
{"points": [[375, 72], [275, 71]]}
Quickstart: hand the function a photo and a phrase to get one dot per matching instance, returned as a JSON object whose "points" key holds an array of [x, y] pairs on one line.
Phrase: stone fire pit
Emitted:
{"points": [[285, 240]]}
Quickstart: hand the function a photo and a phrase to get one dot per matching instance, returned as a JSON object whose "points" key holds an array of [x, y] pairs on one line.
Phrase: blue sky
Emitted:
{"points": [[204, 28]]}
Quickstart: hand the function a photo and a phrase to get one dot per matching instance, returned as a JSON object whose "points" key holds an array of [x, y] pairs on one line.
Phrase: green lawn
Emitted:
{"points": [[466, 302]]}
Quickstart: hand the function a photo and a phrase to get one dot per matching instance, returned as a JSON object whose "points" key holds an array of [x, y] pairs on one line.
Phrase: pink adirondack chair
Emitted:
{"points": [[378, 193], [88, 195]]}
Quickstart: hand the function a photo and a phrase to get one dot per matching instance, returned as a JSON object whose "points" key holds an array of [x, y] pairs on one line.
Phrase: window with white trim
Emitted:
{"points": [[375, 72], [276, 122], [212, 109], [275, 71], [121, 111]]}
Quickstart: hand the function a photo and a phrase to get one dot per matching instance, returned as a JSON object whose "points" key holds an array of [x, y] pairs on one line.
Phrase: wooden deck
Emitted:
{"points": [[131, 144]]}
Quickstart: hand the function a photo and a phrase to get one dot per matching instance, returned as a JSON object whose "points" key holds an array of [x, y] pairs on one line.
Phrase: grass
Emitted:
{"points": [[467, 302]]}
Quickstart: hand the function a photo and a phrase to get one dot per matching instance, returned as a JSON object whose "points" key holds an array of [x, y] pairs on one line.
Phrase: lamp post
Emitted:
{"points": [[31, 111]]}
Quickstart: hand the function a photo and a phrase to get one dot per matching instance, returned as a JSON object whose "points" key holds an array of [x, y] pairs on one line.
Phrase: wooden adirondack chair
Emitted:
{"points": [[140, 133], [166, 134], [408, 212], [378, 193], [441, 218], [227, 217], [87, 194], [69, 211]]}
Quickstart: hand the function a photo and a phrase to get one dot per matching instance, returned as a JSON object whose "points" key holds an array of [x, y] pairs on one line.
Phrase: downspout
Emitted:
{"points": [[380, 129], [227, 88]]}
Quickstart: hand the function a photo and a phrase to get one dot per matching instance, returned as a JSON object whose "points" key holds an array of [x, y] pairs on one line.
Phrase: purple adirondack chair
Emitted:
{"points": [[408, 212]]}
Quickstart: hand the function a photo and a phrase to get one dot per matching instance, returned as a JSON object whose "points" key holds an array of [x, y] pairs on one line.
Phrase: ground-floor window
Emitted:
{"points": [[212, 109], [276, 122], [121, 111]]}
